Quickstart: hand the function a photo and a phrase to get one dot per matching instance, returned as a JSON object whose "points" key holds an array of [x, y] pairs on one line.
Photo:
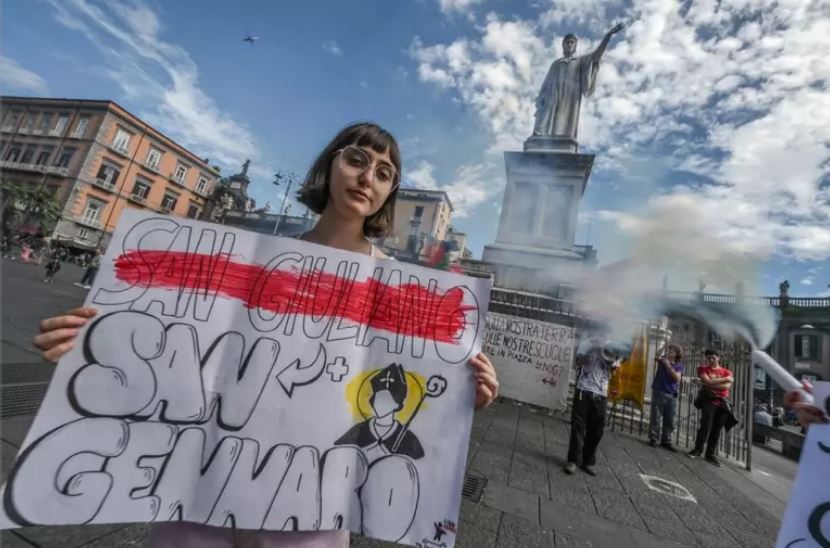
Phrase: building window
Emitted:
{"points": [[419, 212], [192, 211], [92, 213], [108, 175], [807, 347], [44, 155], [169, 201], [60, 125], [80, 128], [153, 158], [13, 154], [66, 157], [12, 119], [141, 188], [45, 121], [180, 173], [26, 157], [121, 141], [201, 186], [29, 125], [83, 234]]}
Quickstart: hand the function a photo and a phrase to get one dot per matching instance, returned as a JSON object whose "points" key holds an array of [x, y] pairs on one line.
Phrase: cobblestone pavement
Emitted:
{"points": [[528, 501]]}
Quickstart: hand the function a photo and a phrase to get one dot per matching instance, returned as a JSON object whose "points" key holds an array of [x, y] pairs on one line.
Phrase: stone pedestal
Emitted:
{"points": [[534, 247]]}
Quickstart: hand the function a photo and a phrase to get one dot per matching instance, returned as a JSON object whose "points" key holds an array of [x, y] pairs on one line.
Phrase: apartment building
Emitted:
{"points": [[98, 159], [422, 218]]}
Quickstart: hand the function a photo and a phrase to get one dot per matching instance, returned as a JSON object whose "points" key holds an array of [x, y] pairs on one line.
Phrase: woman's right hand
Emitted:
{"points": [[57, 334]]}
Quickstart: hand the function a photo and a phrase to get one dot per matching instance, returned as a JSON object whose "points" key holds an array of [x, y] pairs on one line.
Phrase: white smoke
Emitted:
{"points": [[673, 239]]}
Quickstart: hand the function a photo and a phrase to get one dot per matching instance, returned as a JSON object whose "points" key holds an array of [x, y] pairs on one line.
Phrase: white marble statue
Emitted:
{"points": [[569, 79]]}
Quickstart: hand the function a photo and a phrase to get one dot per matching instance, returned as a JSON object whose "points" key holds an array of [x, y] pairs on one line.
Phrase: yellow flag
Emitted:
{"points": [[629, 381]]}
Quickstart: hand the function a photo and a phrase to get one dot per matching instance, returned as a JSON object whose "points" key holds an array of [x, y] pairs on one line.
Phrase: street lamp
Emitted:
{"points": [[292, 178]]}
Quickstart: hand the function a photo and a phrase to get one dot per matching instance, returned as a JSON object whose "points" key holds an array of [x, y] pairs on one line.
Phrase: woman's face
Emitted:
{"points": [[359, 189]]}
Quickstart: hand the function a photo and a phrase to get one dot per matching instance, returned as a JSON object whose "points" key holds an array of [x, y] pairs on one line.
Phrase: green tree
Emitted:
{"points": [[25, 204]]}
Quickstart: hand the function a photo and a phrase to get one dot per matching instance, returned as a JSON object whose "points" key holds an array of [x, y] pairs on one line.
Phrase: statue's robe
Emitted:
{"points": [[558, 102]]}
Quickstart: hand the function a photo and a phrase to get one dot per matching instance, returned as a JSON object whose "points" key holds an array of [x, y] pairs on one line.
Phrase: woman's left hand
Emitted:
{"points": [[487, 385]]}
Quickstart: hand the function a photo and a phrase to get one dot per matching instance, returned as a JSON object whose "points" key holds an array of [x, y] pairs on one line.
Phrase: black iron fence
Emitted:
{"points": [[736, 444], [626, 416]]}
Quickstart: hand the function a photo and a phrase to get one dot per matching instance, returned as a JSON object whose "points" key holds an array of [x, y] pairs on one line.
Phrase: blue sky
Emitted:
{"points": [[709, 125]]}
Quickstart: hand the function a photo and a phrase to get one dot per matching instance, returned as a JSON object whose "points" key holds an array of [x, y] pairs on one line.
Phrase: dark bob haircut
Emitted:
{"points": [[315, 190]]}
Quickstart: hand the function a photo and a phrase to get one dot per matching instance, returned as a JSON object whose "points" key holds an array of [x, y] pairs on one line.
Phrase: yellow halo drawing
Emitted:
{"points": [[359, 391]]}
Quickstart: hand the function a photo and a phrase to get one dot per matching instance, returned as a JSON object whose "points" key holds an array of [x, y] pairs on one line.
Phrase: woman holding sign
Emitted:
{"points": [[352, 185]]}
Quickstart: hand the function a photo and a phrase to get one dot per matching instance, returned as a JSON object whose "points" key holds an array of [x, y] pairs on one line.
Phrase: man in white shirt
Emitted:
{"points": [[588, 411]]}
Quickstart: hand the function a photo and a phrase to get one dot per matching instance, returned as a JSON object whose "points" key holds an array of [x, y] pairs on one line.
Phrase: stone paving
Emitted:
{"points": [[528, 500]]}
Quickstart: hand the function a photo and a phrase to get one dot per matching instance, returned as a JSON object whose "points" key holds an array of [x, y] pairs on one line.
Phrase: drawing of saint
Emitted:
{"points": [[382, 434]]}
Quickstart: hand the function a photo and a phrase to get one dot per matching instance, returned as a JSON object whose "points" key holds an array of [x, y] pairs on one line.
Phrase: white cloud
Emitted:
{"points": [[333, 48], [456, 6], [15, 77], [152, 71], [735, 92], [807, 280], [422, 176], [470, 187]]}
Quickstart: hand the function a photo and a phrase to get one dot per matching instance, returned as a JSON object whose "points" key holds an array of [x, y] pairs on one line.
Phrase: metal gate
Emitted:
{"points": [[736, 444], [626, 416]]}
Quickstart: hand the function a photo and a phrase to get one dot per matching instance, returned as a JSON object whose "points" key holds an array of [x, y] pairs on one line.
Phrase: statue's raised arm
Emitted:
{"points": [[597, 53]]}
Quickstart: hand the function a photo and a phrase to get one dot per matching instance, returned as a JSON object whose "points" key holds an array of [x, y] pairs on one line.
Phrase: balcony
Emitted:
{"points": [[165, 209], [150, 167], [137, 198], [92, 223], [174, 179], [37, 168], [122, 151], [106, 185]]}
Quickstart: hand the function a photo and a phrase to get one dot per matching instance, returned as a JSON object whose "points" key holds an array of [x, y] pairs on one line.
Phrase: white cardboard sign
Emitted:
{"points": [[806, 522], [236, 379], [533, 359]]}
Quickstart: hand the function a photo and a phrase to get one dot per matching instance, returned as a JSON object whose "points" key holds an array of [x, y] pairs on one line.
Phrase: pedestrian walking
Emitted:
{"points": [[588, 410], [91, 271], [715, 408], [664, 389], [352, 185], [53, 264]]}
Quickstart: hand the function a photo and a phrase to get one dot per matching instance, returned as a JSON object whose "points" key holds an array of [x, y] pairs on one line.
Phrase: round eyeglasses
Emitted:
{"points": [[356, 161]]}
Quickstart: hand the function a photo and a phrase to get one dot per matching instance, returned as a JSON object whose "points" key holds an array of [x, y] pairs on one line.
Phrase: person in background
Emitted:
{"points": [[588, 411], [715, 382], [53, 264], [91, 271], [664, 397], [761, 416]]}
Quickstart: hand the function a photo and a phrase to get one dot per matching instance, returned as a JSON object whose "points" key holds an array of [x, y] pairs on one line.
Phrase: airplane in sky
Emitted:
{"points": [[250, 39]]}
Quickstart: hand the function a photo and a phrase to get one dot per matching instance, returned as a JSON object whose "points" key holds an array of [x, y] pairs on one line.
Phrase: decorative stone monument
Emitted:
{"points": [[535, 245]]}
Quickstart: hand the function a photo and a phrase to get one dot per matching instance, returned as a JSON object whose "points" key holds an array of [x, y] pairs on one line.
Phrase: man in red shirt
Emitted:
{"points": [[715, 382]]}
